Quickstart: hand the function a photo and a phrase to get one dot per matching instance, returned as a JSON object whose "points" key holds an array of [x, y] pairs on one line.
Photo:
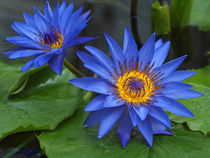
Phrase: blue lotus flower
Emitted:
{"points": [[135, 88], [47, 36]]}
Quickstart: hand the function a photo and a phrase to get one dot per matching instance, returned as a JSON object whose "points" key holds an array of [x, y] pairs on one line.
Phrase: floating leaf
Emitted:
{"points": [[46, 100], [202, 76], [200, 107], [71, 139]]}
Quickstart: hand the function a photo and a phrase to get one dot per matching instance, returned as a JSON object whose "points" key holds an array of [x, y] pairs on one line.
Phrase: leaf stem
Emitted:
{"points": [[73, 69]]}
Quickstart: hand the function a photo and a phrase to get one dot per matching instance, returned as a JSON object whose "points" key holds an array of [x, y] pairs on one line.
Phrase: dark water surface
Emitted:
{"points": [[109, 16]]}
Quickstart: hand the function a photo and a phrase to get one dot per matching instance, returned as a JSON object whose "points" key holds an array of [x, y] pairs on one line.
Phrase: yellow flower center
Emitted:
{"points": [[53, 39], [137, 86]]}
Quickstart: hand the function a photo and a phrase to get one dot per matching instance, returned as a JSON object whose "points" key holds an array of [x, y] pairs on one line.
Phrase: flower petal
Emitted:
{"points": [[131, 51], [25, 30], [147, 51], [96, 103], [42, 59], [185, 95], [56, 62], [116, 51], [27, 66], [48, 12], [102, 58], [100, 71], [160, 115], [179, 76], [92, 84], [111, 116], [133, 115], [146, 130], [86, 58], [171, 66], [172, 106], [94, 117], [174, 87], [158, 128], [160, 54], [124, 128], [158, 43], [79, 40], [112, 101], [24, 41], [142, 111], [25, 53], [66, 15]]}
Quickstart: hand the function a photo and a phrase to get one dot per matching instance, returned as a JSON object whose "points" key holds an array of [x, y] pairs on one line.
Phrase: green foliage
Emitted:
{"points": [[201, 77], [71, 139], [180, 12], [47, 99], [160, 18], [199, 106], [200, 14]]}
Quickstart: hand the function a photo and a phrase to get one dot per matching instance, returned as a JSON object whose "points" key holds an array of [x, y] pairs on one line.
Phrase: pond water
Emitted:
{"points": [[110, 16]]}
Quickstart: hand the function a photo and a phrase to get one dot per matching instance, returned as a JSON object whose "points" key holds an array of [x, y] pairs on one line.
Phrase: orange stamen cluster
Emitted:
{"points": [[135, 85]]}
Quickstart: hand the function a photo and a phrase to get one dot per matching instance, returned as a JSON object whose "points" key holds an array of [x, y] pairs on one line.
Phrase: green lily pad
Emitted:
{"points": [[200, 107], [202, 76], [200, 14], [47, 99], [71, 139]]}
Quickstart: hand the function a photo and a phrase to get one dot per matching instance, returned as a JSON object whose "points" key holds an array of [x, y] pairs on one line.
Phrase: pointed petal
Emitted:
{"points": [[24, 42], [66, 15], [92, 84], [131, 51], [101, 57], [113, 101], [147, 51], [124, 128], [25, 53], [161, 54], [158, 43], [174, 87], [48, 12], [94, 117], [40, 21], [179, 76], [185, 95], [96, 103], [172, 106], [42, 59], [79, 40], [160, 115], [27, 66], [142, 111], [29, 20], [25, 30], [100, 71], [146, 130], [116, 51], [111, 116], [62, 9], [56, 63], [158, 128], [133, 115], [86, 58], [171, 66], [55, 16]]}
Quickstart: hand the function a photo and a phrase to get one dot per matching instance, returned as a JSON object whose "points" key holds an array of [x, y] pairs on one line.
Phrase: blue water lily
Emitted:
{"points": [[47, 36], [135, 88]]}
